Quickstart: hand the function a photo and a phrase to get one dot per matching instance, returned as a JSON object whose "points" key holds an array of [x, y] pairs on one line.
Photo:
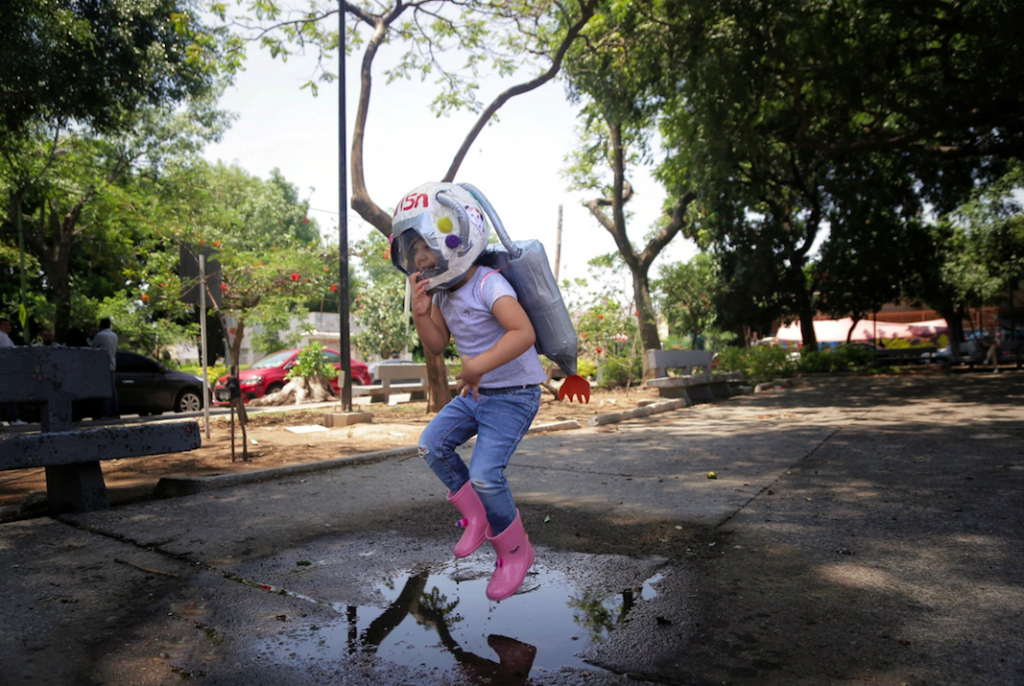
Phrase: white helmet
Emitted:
{"points": [[450, 222]]}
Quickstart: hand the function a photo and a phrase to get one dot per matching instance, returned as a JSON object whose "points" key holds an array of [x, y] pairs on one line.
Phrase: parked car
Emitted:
{"points": [[374, 366], [144, 386], [971, 352], [267, 375]]}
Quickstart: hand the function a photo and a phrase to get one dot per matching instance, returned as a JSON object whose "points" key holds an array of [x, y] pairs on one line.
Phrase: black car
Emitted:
{"points": [[144, 386]]}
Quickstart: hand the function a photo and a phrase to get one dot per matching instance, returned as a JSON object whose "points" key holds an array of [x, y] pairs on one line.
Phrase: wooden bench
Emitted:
{"points": [[696, 382], [54, 378]]}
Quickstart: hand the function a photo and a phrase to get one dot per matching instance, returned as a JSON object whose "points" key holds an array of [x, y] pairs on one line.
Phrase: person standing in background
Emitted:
{"points": [[5, 333], [105, 339], [8, 411]]}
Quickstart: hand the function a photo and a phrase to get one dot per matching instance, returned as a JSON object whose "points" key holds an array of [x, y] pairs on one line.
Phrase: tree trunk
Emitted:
{"points": [[55, 260], [849, 334], [369, 210], [646, 320], [954, 317], [299, 391], [437, 381], [807, 330]]}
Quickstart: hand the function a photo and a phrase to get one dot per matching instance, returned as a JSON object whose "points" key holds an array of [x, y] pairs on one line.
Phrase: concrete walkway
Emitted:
{"points": [[859, 531]]}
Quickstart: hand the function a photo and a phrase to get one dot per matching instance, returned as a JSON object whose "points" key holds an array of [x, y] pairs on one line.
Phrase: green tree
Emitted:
{"points": [[974, 253], [618, 121], [269, 270], [98, 63], [492, 37], [687, 295], [380, 308], [86, 90], [75, 199], [777, 111]]}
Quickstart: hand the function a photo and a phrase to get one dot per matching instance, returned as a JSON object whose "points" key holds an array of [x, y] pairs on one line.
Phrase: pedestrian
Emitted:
{"points": [[5, 333], [8, 411], [992, 345], [438, 234], [105, 339]]}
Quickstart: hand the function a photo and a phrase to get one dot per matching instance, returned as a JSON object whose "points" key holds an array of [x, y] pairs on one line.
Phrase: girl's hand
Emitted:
{"points": [[469, 378], [420, 301]]}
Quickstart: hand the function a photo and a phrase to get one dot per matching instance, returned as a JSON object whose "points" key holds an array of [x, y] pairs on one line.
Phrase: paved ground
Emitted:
{"points": [[860, 531]]}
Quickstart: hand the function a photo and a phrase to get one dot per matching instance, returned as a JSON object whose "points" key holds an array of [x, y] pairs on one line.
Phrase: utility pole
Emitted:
{"points": [[558, 244]]}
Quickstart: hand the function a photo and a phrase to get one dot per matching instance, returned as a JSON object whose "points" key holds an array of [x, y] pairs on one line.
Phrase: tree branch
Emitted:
{"points": [[587, 11]]}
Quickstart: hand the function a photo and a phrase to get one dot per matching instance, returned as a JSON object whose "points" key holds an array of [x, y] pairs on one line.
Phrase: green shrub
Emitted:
{"points": [[311, 363], [821, 362], [840, 359], [213, 371], [758, 364], [617, 371], [857, 356]]}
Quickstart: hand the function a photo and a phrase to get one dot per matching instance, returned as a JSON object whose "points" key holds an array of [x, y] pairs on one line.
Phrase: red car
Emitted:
{"points": [[267, 375]]}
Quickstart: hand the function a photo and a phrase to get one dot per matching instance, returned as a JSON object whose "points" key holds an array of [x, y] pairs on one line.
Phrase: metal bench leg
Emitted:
{"points": [[76, 488]]}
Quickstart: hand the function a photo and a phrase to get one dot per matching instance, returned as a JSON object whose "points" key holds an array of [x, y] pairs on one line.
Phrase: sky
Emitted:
{"points": [[515, 162]]}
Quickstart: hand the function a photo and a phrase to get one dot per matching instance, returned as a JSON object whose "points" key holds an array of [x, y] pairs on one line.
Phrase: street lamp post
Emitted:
{"points": [[345, 371]]}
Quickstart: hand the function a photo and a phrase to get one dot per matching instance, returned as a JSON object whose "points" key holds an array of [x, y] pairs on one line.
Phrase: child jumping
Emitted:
{"points": [[438, 234]]}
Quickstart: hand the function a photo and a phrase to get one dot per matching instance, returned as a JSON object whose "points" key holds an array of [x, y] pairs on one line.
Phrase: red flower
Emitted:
{"points": [[334, 288], [231, 331], [295, 276], [600, 317], [636, 313], [224, 287], [305, 220], [145, 298], [599, 351], [216, 244]]}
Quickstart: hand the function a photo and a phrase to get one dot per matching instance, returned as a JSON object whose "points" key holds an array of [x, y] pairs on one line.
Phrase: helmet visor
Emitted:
{"points": [[412, 252]]}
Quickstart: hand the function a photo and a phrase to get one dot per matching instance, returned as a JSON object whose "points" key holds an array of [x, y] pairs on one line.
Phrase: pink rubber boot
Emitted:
{"points": [[474, 519], [515, 555]]}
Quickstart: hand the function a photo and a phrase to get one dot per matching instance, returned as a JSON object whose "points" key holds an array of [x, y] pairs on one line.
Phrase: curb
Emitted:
{"points": [[173, 486], [644, 411], [170, 486]]}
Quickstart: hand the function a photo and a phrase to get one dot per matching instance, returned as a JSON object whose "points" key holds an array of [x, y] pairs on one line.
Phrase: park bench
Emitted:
{"points": [[54, 378], [394, 380], [903, 356], [693, 379]]}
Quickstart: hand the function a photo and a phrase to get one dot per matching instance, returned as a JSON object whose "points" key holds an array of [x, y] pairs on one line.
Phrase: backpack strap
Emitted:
{"points": [[484, 280]]}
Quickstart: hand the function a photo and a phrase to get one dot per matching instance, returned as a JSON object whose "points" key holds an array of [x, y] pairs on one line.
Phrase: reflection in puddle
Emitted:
{"points": [[440, 619]]}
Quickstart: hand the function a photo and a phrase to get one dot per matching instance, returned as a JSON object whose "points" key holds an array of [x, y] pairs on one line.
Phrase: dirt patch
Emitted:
{"points": [[272, 444]]}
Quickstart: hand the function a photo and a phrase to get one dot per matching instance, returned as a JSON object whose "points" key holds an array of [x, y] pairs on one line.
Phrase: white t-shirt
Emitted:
{"points": [[5, 340], [107, 340], [468, 315]]}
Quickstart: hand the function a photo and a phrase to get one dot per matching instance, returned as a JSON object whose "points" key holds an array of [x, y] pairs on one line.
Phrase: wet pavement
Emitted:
{"points": [[859, 531]]}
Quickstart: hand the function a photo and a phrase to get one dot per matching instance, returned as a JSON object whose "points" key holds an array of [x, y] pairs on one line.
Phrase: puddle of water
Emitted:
{"points": [[440, 618]]}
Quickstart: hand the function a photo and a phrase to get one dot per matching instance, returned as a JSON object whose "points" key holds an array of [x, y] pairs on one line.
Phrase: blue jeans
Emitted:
{"points": [[499, 420]]}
